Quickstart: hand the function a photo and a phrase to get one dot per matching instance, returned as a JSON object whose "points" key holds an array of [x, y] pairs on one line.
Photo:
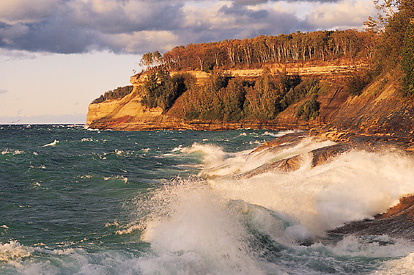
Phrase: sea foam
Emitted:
{"points": [[352, 186]]}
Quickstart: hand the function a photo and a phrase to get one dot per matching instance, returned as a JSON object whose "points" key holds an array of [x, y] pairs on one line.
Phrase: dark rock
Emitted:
{"points": [[397, 222], [322, 155]]}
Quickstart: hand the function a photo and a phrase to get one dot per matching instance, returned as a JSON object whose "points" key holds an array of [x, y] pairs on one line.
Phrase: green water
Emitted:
{"points": [[76, 201]]}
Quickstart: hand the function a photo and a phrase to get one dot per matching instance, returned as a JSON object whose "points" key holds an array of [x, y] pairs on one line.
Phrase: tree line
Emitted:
{"points": [[253, 52], [395, 48], [388, 43], [119, 92]]}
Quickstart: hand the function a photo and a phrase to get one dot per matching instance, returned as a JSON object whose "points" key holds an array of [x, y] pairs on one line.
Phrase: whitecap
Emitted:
{"points": [[352, 186], [191, 226], [14, 250], [401, 266], [115, 224], [281, 133], [13, 152], [52, 144], [179, 148]]}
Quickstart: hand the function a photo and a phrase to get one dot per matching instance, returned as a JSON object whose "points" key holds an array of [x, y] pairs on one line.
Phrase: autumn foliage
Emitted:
{"points": [[119, 92], [253, 52]]}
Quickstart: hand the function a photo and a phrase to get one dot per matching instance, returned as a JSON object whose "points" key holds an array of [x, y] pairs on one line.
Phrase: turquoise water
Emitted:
{"points": [[76, 201]]}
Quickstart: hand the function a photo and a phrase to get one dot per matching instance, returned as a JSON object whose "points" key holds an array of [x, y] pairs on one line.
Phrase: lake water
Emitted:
{"points": [[76, 201]]}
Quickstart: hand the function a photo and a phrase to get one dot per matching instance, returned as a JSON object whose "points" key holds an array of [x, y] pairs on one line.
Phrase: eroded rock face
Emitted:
{"points": [[317, 156], [380, 115], [108, 114], [397, 222]]}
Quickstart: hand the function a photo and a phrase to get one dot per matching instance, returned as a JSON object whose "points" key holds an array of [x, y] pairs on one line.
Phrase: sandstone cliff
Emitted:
{"points": [[129, 114], [379, 111]]}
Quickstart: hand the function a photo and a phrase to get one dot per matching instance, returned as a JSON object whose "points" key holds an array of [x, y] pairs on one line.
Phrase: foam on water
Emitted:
{"points": [[219, 163], [216, 222], [193, 227], [281, 133], [214, 226], [403, 266], [52, 144], [11, 152], [354, 186], [13, 251]]}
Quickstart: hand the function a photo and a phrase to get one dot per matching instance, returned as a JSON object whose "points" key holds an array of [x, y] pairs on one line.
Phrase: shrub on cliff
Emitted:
{"points": [[356, 82], [263, 100], [211, 101], [270, 95], [233, 98], [395, 48], [296, 93], [309, 109], [407, 61], [119, 92], [227, 98], [161, 90]]}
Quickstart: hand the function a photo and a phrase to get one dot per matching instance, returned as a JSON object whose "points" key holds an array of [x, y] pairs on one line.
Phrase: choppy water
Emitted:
{"points": [[75, 201]]}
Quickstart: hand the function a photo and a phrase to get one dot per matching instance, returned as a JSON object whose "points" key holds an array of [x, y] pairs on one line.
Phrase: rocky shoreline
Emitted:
{"points": [[379, 119], [397, 222]]}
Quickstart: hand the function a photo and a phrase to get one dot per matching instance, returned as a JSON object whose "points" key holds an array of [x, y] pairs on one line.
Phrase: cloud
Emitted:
{"points": [[249, 2], [258, 2], [138, 26], [3, 92], [344, 14], [18, 11]]}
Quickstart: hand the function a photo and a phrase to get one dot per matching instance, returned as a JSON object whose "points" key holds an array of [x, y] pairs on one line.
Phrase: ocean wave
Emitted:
{"points": [[13, 250], [403, 266], [8, 151], [116, 179], [52, 144], [352, 186], [281, 133], [188, 220]]}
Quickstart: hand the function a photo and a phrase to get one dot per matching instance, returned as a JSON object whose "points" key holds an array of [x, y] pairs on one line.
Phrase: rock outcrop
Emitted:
{"points": [[397, 222], [129, 114], [379, 114]]}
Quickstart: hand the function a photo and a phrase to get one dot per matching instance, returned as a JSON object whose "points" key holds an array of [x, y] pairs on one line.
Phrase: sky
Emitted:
{"points": [[56, 56]]}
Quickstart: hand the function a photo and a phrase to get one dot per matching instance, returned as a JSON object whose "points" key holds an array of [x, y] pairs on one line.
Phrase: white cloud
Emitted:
{"points": [[138, 26], [137, 41], [105, 6], [207, 17], [18, 11], [344, 14]]}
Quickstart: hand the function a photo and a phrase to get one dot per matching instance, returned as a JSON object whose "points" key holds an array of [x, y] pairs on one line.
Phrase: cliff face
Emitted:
{"points": [[379, 111]]}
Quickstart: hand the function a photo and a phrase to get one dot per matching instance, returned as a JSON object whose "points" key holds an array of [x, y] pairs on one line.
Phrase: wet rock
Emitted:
{"points": [[322, 155], [288, 140], [318, 156], [397, 222]]}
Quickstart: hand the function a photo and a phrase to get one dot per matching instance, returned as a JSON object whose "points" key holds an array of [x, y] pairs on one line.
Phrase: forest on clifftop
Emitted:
{"points": [[387, 45]]}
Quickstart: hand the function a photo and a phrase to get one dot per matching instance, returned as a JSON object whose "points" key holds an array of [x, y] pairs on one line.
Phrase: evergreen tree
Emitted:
{"points": [[407, 61]]}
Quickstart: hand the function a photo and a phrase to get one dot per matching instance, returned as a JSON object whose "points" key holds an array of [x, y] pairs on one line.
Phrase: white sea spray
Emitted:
{"points": [[13, 250]]}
